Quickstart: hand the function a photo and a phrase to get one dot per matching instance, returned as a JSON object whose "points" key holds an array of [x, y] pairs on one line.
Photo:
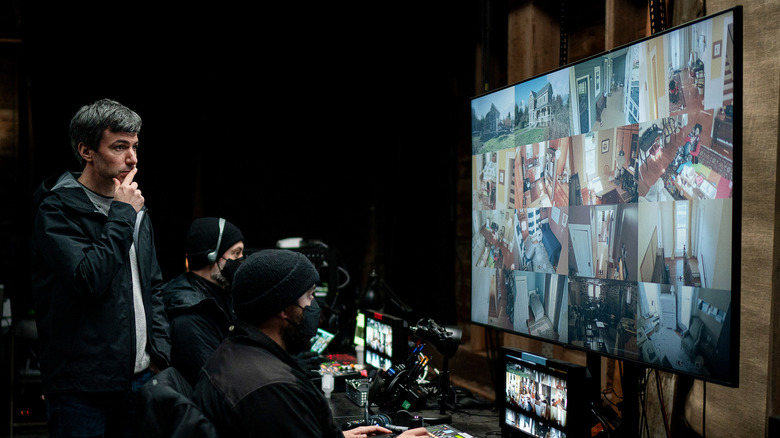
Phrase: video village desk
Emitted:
{"points": [[478, 421]]}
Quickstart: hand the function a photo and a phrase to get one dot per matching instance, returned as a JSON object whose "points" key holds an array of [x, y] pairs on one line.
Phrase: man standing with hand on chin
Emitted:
{"points": [[102, 332]]}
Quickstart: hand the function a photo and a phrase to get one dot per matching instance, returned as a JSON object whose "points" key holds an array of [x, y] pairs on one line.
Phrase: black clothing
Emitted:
{"points": [[252, 387], [82, 290], [200, 314], [166, 410]]}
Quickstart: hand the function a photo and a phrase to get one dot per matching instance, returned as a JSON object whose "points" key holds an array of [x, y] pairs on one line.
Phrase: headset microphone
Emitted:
{"points": [[212, 256]]}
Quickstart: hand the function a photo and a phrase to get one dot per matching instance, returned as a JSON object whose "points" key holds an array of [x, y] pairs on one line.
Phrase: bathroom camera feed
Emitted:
{"points": [[607, 184]]}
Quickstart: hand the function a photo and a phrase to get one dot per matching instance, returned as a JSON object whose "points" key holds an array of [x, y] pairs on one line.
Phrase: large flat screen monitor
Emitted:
{"points": [[543, 397], [606, 202]]}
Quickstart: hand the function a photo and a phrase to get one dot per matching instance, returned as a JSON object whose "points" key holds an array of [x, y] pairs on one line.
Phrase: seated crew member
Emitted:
{"points": [[198, 302], [252, 385]]}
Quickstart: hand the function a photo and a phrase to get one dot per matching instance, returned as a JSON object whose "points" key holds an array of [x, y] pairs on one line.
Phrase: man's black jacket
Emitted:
{"points": [[200, 314], [82, 290], [252, 387]]}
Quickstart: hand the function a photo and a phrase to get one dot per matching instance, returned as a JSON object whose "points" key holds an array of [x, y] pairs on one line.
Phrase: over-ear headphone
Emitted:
{"points": [[212, 256]]}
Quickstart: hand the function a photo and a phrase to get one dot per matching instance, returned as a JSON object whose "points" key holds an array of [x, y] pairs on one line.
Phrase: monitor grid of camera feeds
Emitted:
{"points": [[536, 402], [603, 202], [379, 343]]}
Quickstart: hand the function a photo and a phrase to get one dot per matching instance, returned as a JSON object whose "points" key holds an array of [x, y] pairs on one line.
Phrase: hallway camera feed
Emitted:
{"points": [[603, 198]]}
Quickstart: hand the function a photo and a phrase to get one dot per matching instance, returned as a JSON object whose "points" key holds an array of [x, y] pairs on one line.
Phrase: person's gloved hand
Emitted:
{"points": [[308, 360]]}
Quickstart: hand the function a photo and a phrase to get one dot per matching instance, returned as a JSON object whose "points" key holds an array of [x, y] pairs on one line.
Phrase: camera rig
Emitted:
{"points": [[398, 387]]}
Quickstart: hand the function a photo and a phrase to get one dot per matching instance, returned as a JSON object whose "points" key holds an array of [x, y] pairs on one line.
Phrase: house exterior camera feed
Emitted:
{"points": [[603, 203]]}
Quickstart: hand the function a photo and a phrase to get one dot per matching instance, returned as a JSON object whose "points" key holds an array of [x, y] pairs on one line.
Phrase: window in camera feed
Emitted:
{"points": [[602, 202]]}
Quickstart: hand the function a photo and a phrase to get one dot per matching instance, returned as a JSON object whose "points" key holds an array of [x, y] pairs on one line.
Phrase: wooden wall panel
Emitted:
{"points": [[743, 411], [759, 194]]}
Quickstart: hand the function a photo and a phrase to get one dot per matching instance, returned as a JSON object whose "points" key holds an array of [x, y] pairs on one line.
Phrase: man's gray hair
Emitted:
{"points": [[91, 120]]}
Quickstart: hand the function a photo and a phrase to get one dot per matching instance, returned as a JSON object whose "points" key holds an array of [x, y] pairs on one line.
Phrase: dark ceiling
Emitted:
{"points": [[329, 122]]}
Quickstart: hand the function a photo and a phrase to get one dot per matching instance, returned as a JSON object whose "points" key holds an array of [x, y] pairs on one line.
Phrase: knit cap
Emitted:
{"points": [[270, 280], [202, 239]]}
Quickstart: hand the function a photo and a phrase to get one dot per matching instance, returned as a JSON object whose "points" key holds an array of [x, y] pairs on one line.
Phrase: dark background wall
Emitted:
{"points": [[219, 89], [336, 124]]}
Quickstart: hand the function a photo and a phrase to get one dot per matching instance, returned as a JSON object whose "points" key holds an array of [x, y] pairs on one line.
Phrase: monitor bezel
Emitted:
{"points": [[731, 379], [400, 336], [577, 386]]}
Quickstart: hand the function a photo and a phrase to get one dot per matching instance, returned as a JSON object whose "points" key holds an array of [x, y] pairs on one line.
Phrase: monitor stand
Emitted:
{"points": [[628, 424], [629, 414]]}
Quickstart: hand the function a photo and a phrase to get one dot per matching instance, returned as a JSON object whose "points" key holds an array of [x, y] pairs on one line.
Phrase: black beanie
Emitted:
{"points": [[270, 280], [202, 239]]}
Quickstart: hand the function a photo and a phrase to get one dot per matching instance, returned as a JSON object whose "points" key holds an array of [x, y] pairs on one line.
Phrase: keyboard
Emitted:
{"points": [[446, 431], [436, 431]]}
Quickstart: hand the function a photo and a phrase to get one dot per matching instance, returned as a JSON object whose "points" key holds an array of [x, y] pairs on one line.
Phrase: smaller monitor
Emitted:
{"points": [[542, 397], [359, 340], [321, 340], [386, 339]]}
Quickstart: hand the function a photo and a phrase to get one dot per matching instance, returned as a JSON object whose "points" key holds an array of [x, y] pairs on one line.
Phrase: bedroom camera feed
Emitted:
{"points": [[604, 179]]}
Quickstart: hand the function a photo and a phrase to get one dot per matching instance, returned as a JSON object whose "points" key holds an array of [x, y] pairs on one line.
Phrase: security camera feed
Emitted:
{"points": [[320, 341], [603, 199], [360, 330], [538, 400], [379, 343]]}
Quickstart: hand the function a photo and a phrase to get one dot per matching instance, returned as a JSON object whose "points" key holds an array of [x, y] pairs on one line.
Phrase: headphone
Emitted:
{"points": [[212, 256]]}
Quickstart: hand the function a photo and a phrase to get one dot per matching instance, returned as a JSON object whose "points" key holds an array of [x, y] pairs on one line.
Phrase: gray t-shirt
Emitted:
{"points": [[142, 358]]}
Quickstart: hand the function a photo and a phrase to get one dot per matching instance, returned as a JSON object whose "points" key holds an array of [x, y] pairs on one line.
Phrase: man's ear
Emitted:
{"points": [[286, 313], [85, 152]]}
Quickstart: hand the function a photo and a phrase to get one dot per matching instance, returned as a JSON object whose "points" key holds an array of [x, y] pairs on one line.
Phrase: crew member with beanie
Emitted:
{"points": [[198, 302], [252, 385]]}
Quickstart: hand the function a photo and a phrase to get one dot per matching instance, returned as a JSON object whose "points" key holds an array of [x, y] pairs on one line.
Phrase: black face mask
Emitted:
{"points": [[311, 319], [298, 335], [230, 268]]}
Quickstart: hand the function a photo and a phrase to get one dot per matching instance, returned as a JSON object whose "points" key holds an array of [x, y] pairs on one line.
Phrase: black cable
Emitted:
{"points": [[643, 399], [704, 410], [612, 390], [661, 400], [604, 424]]}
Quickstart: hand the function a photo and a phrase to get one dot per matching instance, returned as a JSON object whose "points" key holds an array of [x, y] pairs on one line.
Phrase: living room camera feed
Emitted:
{"points": [[602, 316], [613, 175]]}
